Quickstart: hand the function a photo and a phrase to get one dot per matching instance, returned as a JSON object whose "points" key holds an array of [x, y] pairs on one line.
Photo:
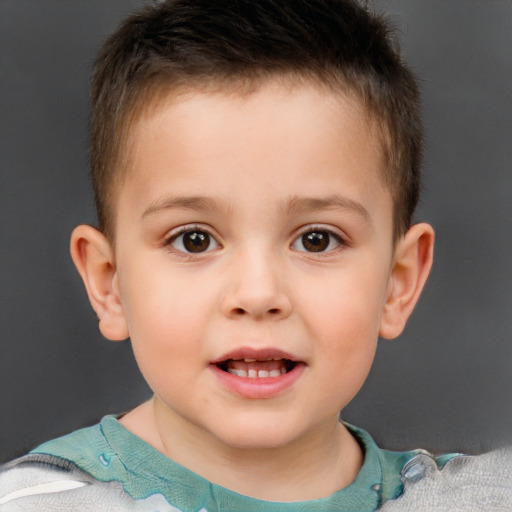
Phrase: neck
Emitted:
{"points": [[311, 467]]}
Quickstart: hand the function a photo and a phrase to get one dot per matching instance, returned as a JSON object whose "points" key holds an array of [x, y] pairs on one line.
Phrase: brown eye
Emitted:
{"points": [[196, 241], [317, 240], [193, 241]]}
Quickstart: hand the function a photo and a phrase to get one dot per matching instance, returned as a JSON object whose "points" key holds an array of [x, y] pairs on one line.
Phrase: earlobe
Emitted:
{"points": [[93, 257], [411, 267]]}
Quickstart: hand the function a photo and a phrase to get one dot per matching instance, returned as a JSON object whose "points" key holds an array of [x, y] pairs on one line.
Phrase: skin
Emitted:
{"points": [[254, 172]]}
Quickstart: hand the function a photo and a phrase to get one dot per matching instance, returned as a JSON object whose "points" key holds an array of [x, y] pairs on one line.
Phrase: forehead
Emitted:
{"points": [[298, 136], [221, 97]]}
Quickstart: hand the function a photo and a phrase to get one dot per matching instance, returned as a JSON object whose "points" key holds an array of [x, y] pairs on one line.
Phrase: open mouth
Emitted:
{"points": [[257, 369]]}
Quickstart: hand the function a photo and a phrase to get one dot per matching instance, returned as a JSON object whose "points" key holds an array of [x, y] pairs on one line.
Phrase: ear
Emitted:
{"points": [[411, 267], [94, 259]]}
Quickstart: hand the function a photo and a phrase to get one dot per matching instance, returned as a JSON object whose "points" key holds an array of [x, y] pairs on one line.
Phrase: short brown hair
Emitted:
{"points": [[203, 43]]}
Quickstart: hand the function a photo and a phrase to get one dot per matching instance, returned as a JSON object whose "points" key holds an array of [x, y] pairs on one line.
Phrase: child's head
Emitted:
{"points": [[176, 47], [256, 164]]}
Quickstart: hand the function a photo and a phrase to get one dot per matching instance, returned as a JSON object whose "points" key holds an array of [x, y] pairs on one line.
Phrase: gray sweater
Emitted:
{"points": [[478, 483]]}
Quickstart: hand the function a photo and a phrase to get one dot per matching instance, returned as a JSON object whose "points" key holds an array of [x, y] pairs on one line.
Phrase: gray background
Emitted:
{"points": [[445, 384]]}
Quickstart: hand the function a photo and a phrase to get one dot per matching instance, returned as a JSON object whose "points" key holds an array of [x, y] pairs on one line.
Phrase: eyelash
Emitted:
{"points": [[191, 229], [332, 237]]}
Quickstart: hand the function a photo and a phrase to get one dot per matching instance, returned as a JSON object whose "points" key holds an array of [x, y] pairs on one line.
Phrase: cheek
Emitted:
{"points": [[159, 302], [346, 353], [348, 309], [347, 345], [344, 320], [166, 318]]}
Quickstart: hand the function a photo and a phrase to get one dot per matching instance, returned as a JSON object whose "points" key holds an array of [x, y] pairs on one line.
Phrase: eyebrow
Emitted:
{"points": [[194, 203], [293, 205], [299, 205]]}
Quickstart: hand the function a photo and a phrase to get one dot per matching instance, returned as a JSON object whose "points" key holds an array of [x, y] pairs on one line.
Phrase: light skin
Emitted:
{"points": [[280, 194]]}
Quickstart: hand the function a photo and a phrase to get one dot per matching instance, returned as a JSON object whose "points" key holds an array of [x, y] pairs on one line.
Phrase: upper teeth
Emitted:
{"points": [[252, 374]]}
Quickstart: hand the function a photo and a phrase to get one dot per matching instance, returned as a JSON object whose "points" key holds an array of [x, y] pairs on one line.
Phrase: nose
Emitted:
{"points": [[257, 288]]}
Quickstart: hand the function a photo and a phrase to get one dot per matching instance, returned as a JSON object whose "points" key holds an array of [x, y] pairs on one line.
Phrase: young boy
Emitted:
{"points": [[256, 168]]}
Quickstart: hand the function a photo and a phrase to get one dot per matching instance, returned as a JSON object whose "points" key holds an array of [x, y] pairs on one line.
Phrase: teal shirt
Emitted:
{"points": [[109, 452]]}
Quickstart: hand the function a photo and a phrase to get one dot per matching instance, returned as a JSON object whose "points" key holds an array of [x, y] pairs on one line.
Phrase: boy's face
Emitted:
{"points": [[254, 228]]}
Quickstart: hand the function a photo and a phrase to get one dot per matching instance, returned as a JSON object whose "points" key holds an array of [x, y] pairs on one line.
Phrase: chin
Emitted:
{"points": [[261, 436]]}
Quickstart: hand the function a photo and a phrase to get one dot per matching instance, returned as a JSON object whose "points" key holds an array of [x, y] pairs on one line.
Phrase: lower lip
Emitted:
{"points": [[264, 387]]}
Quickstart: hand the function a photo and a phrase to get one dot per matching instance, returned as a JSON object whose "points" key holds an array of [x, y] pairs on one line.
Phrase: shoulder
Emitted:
{"points": [[82, 471], [45, 482], [466, 483], [68, 467], [87, 448], [84, 437], [38, 482], [390, 469]]}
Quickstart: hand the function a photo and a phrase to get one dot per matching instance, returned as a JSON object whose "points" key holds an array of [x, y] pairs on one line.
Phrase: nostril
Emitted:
{"points": [[273, 311], [239, 311]]}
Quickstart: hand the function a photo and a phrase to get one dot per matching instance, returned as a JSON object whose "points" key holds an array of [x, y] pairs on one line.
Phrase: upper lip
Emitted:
{"points": [[260, 354]]}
